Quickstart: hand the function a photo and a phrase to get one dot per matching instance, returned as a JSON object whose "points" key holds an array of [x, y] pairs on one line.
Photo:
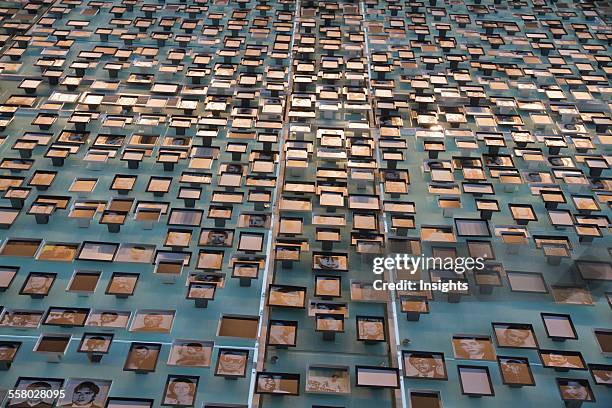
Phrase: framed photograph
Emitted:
{"points": [[8, 350], [315, 307], [425, 399], [515, 335], [216, 237], [376, 377], [122, 284], [601, 373], [371, 329], [99, 343], [282, 333], [330, 261], [238, 326], [232, 363], [572, 295], [604, 340], [84, 282], [287, 296], [277, 383], [118, 402], [142, 357], [112, 319], [59, 316], [473, 348], [38, 284], [153, 321], [35, 389], [528, 282], [55, 344], [180, 391], [191, 353], [21, 319], [328, 286], [515, 371], [424, 364], [246, 269], [83, 391], [328, 380], [575, 389], [475, 381], [201, 291], [329, 322], [562, 360], [7, 274], [559, 326], [414, 304], [97, 251]]}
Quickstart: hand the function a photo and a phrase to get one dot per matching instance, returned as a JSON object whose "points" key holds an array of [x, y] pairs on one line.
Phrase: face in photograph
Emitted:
{"points": [[64, 317], [193, 354], [574, 296], [142, 357], [21, 319], [473, 349], [257, 221], [7, 351], [334, 381], [573, 390], [153, 322], [97, 344], [232, 363], [515, 371], [282, 334], [286, 297], [108, 319], [562, 361], [38, 284], [269, 383], [515, 337], [33, 399], [218, 238], [602, 376], [328, 262], [424, 366], [180, 391], [371, 329], [85, 394], [329, 323]]}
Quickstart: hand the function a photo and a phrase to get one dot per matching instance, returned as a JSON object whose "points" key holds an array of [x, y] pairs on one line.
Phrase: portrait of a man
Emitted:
{"points": [[473, 348], [153, 321], [142, 357], [424, 365], [190, 353], [180, 391], [232, 363], [34, 399], [85, 393]]}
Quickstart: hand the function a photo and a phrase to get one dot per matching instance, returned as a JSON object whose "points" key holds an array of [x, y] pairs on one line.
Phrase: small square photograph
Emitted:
{"points": [[35, 389], [153, 321], [245, 270], [424, 364], [326, 380], [95, 343], [58, 316], [82, 392], [190, 353], [278, 383], [330, 262], [38, 283], [572, 295], [515, 370], [113, 319], [475, 380], [122, 284], [142, 357], [232, 363], [601, 373], [8, 350], [287, 296], [328, 286], [473, 348], [216, 237], [21, 319], [371, 328], [282, 333], [201, 291], [574, 389], [180, 391], [570, 360], [515, 335], [326, 322]]}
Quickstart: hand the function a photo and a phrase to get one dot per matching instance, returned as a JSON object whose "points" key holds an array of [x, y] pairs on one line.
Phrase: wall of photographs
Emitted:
{"points": [[193, 193]]}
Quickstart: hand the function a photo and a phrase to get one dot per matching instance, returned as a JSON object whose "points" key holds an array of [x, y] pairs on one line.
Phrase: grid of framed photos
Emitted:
{"points": [[194, 191]]}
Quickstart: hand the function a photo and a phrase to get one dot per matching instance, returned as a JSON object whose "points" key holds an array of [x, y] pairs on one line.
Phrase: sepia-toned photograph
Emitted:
{"points": [[57, 316], [326, 380], [515, 371], [575, 389], [561, 359], [8, 350], [180, 391], [21, 319], [95, 343], [278, 383], [153, 321], [602, 373], [142, 357], [232, 363], [371, 328], [82, 392], [282, 333], [115, 319], [216, 237], [38, 283], [122, 284], [287, 296], [423, 364], [190, 353], [515, 335], [473, 348], [34, 399], [572, 295]]}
